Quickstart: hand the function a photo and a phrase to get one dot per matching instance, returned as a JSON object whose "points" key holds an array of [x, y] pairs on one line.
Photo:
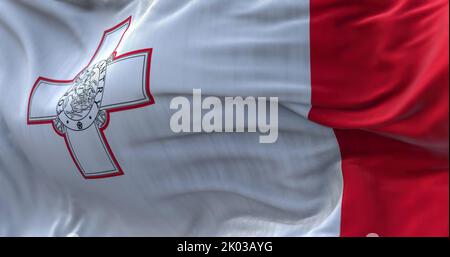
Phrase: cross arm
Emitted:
{"points": [[127, 82], [44, 98]]}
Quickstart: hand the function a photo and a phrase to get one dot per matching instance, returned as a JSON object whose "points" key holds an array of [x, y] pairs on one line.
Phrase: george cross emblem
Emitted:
{"points": [[79, 109]]}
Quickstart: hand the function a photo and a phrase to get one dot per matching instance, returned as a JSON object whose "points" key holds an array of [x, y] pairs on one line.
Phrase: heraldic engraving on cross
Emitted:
{"points": [[78, 109]]}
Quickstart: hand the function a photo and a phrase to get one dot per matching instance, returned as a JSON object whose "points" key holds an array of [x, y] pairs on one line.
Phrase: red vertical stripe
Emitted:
{"points": [[380, 77]]}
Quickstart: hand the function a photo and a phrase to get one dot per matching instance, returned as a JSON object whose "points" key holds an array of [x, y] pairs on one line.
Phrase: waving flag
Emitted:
{"points": [[224, 118]]}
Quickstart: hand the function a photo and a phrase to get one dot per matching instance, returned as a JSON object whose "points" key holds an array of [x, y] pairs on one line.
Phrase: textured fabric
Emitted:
{"points": [[362, 143], [386, 93]]}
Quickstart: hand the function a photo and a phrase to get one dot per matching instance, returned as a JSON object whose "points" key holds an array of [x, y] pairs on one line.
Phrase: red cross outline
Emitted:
{"points": [[149, 101]]}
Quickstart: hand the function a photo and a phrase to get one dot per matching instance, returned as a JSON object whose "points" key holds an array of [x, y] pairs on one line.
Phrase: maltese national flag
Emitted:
{"points": [[359, 90]]}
